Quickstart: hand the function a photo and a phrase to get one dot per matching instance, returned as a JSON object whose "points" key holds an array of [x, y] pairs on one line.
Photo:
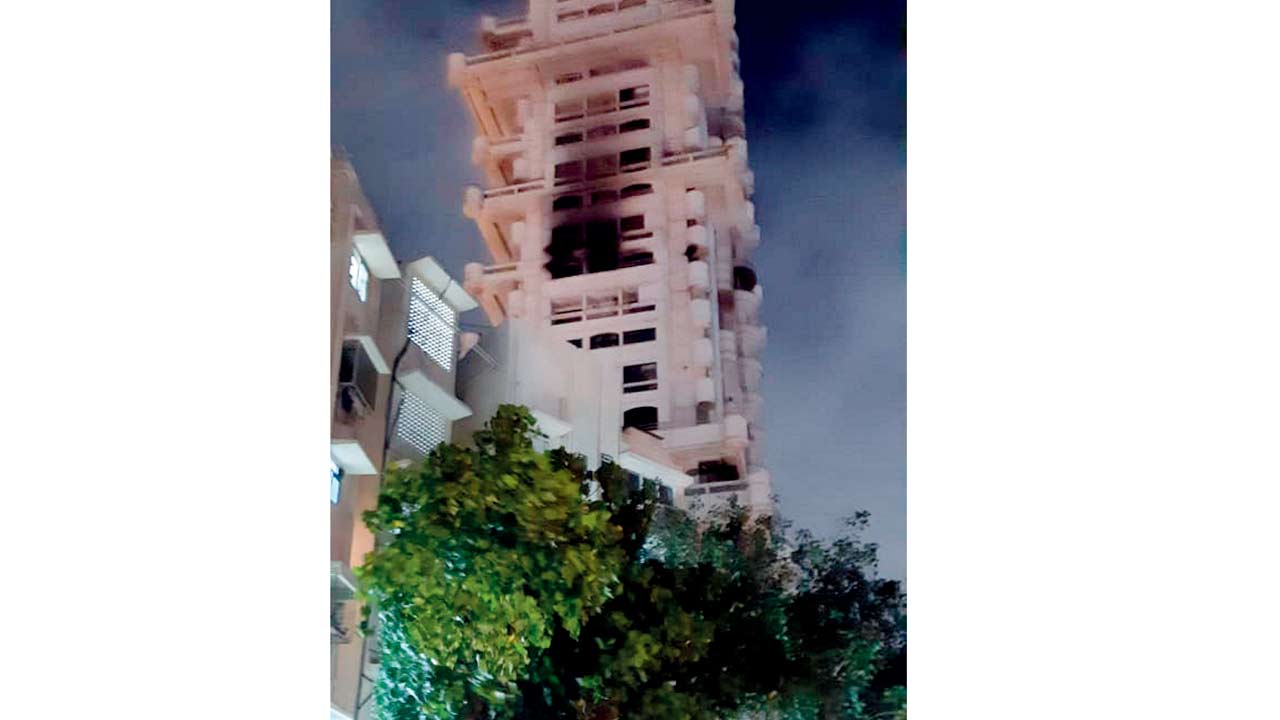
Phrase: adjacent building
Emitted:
{"points": [[619, 228], [393, 343]]}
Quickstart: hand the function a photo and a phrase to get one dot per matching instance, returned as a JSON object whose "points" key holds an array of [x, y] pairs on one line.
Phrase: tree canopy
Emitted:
{"points": [[514, 584]]}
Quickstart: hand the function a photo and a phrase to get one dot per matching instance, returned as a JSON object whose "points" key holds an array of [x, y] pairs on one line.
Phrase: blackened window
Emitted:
{"points": [[576, 342], [632, 125], [638, 189], [601, 197], [631, 223], [569, 139], [566, 202], [639, 336], [604, 340], [602, 246], [645, 418], [634, 156]]}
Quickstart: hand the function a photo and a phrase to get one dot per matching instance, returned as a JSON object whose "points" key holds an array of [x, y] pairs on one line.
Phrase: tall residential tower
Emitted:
{"points": [[620, 229]]}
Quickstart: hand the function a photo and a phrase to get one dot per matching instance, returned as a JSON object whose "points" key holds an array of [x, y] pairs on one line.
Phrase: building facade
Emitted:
{"points": [[619, 227], [393, 342]]}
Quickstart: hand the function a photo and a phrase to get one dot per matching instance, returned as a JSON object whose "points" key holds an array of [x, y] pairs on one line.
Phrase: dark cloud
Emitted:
{"points": [[826, 122]]}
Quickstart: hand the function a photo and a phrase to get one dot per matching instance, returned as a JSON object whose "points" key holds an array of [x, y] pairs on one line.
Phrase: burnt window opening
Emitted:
{"points": [[604, 340], [744, 278], [634, 157], [576, 342], [637, 189], [569, 138], [638, 336], [602, 167], [643, 418], [715, 471], [633, 125], [567, 202], [635, 259], [631, 223]]}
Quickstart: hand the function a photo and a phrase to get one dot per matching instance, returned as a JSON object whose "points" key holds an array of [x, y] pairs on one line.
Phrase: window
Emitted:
{"points": [[600, 104], [604, 166], [626, 4], [431, 324], [567, 78], [600, 305], [604, 340], [335, 482], [644, 418], [567, 172], [635, 259], [705, 411], [358, 274], [567, 202], [640, 378], [638, 336], [631, 223], [665, 495], [635, 190], [631, 302], [602, 197], [357, 379], [420, 425], [601, 131], [634, 159], [633, 96], [633, 125], [576, 342], [569, 138], [569, 110], [600, 9]]}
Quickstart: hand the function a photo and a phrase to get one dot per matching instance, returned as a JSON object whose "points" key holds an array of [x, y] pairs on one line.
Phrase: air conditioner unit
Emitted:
{"points": [[357, 380]]}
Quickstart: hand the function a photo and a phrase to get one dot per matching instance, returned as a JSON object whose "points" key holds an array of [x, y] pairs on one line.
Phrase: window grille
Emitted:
{"points": [[420, 425], [432, 324]]}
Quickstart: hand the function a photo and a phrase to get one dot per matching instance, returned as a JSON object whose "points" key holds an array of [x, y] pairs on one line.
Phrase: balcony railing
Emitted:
{"points": [[696, 155], [517, 189], [715, 488]]}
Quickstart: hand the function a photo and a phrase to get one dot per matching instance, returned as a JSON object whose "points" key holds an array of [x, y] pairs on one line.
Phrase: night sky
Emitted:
{"points": [[826, 126]]}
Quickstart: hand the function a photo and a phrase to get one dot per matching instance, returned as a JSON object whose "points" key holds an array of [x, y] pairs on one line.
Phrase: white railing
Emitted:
{"points": [[696, 155], [516, 189]]}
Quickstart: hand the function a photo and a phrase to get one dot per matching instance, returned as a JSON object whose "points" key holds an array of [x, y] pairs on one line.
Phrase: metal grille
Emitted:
{"points": [[420, 425], [432, 323]]}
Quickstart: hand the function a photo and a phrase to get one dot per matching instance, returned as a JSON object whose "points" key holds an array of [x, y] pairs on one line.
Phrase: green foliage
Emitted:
{"points": [[515, 584], [491, 550]]}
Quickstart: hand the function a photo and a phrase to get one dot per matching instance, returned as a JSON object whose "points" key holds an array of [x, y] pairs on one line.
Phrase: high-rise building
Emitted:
{"points": [[393, 345], [618, 220]]}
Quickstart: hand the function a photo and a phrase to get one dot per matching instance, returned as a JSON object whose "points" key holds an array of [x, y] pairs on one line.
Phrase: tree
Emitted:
{"points": [[517, 584], [488, 552]]}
